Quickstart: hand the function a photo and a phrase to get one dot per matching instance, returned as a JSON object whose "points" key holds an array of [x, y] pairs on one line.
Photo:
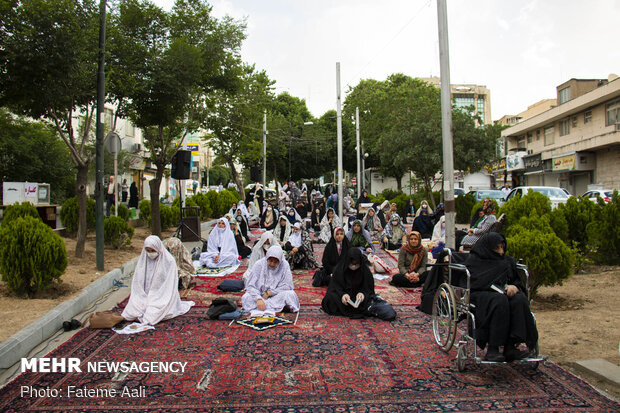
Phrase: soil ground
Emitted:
{"points": [[578, 320]]}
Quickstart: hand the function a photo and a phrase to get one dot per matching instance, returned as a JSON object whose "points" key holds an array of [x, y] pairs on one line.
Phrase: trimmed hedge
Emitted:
{"points": [[464, 205], [123, 212], [69, 214], [116, 232], [15, 211], [32, 256], [604, 232]]}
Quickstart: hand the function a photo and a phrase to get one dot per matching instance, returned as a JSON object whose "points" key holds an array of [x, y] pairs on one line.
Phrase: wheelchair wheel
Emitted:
{"points": [[461, 356], [444, 317]]}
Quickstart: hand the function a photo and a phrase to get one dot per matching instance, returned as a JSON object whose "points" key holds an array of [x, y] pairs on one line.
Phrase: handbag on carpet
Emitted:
{"points": [[104, 319], [381, 309], [231, 286]]}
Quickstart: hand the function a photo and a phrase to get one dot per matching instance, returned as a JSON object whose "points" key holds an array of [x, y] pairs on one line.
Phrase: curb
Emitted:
{"points": [[22, 342]]}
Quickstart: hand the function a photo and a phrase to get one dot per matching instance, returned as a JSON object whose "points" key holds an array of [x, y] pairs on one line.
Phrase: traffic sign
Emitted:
{"points": [[112, 142], [353, 180]]}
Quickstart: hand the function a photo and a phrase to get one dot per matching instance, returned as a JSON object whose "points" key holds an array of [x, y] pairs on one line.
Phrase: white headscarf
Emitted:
{"points": [[222, 238], [277, 231], [439, 232], [244, 209], [295, 237], [258, 251], [263, 277], [154, 288]]}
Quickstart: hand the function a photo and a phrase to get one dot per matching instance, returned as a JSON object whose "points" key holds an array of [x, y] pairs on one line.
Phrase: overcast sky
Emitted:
{"points": [[520, 49]]}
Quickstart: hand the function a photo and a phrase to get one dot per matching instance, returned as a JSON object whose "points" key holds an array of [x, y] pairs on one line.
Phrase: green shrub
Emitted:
{"points": [[390, 193], [190, 202], [400, 201], [175, 216], [234, 193], [604, 232], [69, 214], [205, 205], [116, 232], [123, 212], [548, 259], [464, 205], [212, 200], [420, 196], [165, 216], [517, 207], [376, 199], [578, 213], [559, 225], [32, 256], [224, 201], [145, 211], [15, 211]]}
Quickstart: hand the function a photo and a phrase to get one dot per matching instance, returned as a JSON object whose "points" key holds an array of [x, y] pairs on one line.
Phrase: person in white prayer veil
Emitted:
{"points": [[154, 288], [258, 251], [221, 247], [270, 285]]}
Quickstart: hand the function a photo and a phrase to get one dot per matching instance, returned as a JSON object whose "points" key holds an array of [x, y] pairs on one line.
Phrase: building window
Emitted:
{"points": [[529, 137], [538, 135], [549, 136], [564, 127], [108, 118], [521, 144], [564, 95], [464, 102], [613, 113], [574, 121], [587, 116], [481, 107], [129, 130]]}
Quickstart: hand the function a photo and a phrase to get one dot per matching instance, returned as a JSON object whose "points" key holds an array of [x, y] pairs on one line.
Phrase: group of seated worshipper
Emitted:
{"points": [[269, 287], [351, 290], [154, 287], [334, 251], [372, 224], [221, 247], [482, 223], [394, 234], [300, 253], [318, 211], [360, 238], [329, 222]]}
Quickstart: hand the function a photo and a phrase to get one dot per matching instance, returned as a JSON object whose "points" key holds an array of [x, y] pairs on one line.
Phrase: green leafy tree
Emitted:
{"points": [[48, 64], [32, 256], [69, 214], [604, 233], [464, 205], [219, 174], [578, 213]]}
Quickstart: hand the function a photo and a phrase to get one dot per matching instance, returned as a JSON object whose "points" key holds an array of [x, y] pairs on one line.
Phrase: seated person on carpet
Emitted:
{"points": [[253, 210], [154, 287], [282, 231], [242, 223], [269, 286], [335, 251], [293, 216], [412, 259], [244, 209], [260, 248], [269, 218], [329, 222], [299, 248], [244, 250], [503, 317], [439, 232], [481, 227], [221, 247], [360, 238], [233, 209], [317, 215], [351, 291], [372, 224], [183, 259], [302, 210], [423, 224], [409, 212], [394, 235], [363, 199], [480, 213]]}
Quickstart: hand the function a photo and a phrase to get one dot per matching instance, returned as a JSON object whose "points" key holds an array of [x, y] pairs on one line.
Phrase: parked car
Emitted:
{"points": [[555, 194], [458, 191], [482, 194], [595, 194]]}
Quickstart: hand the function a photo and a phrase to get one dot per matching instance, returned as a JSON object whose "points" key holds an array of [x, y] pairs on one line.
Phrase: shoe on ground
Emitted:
{"points": [[494, 355], [514, 353]]}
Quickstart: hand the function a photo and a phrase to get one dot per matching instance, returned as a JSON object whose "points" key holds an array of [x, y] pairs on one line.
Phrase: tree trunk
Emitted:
{"points": [[399, 183], [429, 191], [237, 179], [80, 193], [155, 213]]}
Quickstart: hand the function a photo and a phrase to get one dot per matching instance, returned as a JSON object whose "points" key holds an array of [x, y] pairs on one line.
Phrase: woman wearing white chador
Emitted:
{"points": [[270, 285], [258, 251], [329, 223], [154, 288], [221, 247]]}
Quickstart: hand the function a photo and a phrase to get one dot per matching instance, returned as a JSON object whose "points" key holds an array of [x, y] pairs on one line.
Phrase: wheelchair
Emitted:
{"points": [[451, 305]]}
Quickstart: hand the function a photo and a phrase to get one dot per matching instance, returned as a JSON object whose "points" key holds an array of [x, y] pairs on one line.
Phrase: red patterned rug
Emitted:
{"points": [[322, 364]]}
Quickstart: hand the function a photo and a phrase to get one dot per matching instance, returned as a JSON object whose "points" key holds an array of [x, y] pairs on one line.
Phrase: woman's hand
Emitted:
{"points": [[260, 304], [217, 258], [266, 294], [359, 297], [511, 290], [294, 250], [470, 231], [345, 298]]}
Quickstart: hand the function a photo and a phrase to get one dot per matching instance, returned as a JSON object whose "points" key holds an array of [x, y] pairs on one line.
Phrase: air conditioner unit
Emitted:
{"points": [[137, 147], [530, 151]]}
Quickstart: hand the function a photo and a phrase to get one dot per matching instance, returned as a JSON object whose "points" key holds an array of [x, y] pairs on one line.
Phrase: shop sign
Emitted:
{"points": [[137, 163], [533, 163], [565, 162], [499, 165], [515, 161]]}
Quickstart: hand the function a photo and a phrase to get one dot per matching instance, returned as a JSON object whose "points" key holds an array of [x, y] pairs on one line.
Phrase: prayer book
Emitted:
{"points": [[356, 303]]}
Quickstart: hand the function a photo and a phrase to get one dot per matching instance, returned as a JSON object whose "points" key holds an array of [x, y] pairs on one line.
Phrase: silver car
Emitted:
{"points": [[555, 194]]}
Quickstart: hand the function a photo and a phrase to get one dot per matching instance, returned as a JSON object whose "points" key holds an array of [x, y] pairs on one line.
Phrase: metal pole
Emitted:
{"points": [[363, 166], [115, 176], [265, 151], [446, 122], [99, 191], [339, 135], [357, 134]]}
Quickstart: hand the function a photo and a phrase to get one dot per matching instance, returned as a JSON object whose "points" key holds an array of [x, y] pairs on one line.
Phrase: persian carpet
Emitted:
{"points": [[323, 364]]}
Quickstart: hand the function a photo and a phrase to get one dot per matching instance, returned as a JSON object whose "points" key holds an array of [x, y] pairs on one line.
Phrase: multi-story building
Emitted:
{"points": [[464, 96], [572, 145]]}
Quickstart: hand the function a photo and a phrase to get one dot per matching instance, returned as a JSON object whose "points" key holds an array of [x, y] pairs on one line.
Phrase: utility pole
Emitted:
{"points": [[446, 122], [357, 135], [99, 190], [363, 166], [339, 136], [265, 151]]}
